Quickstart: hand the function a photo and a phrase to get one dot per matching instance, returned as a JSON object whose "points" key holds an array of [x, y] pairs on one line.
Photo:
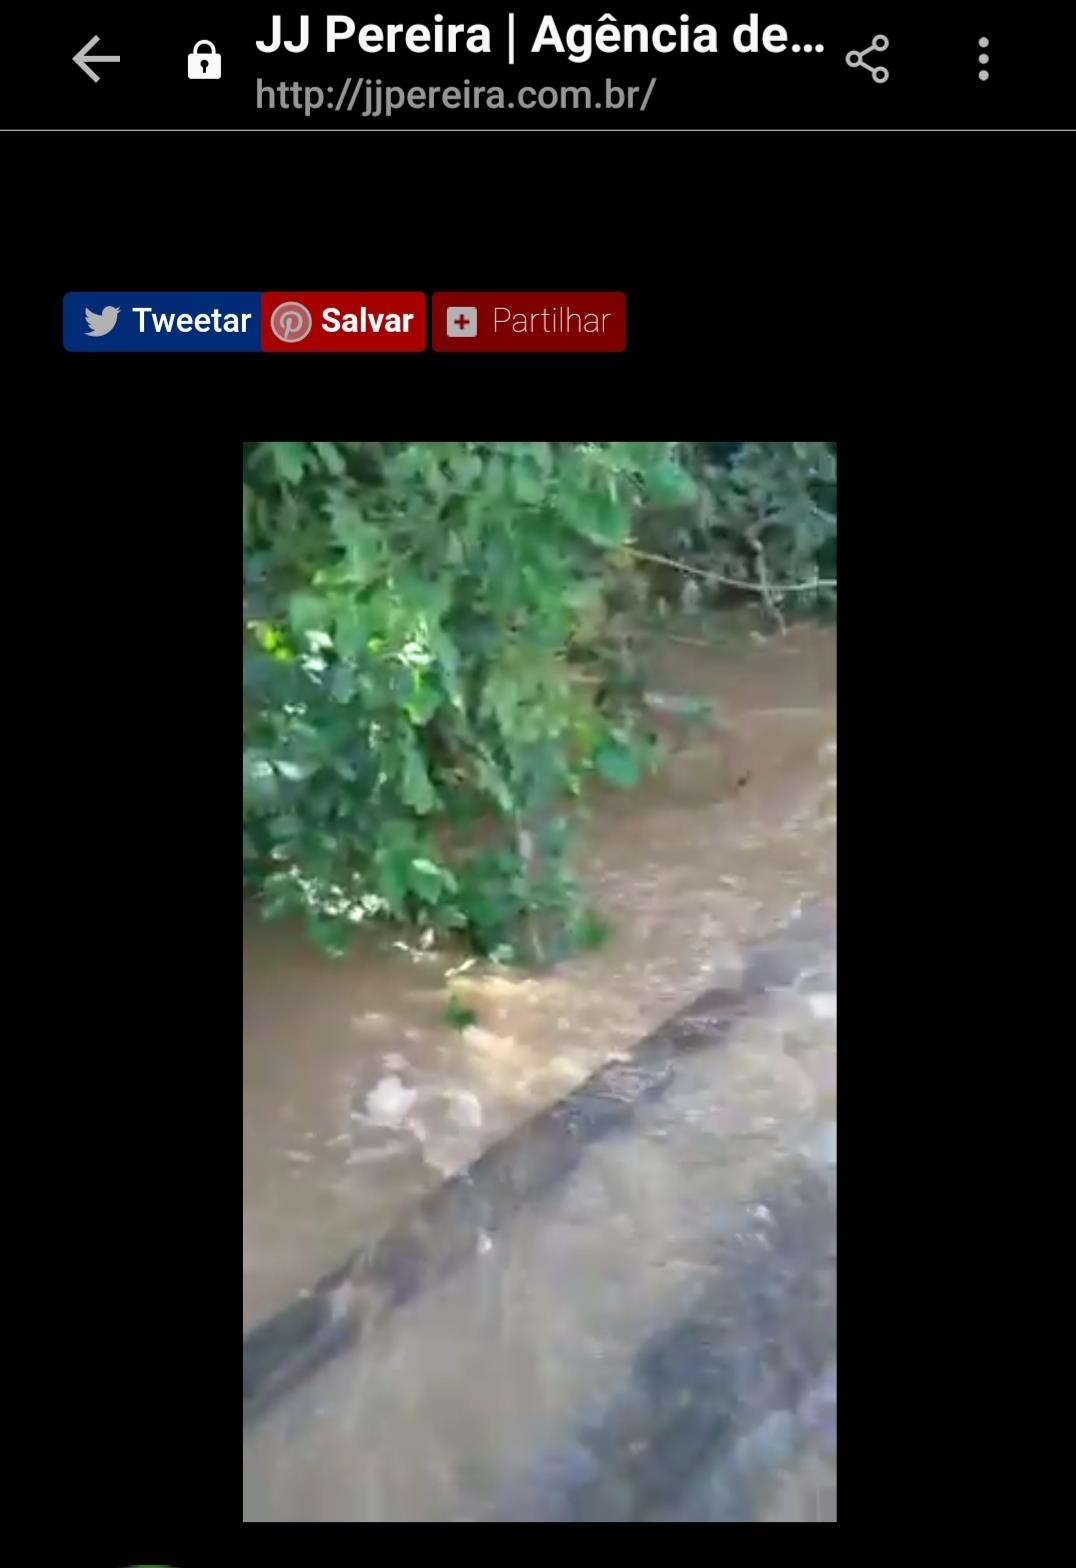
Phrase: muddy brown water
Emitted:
{"points": [[651, 1339], [358, 1098]]}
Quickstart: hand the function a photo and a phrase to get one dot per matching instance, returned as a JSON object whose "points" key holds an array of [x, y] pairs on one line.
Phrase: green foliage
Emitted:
{"points": [[764, 513], [425, 633], [458, 1015], [436, 662]]}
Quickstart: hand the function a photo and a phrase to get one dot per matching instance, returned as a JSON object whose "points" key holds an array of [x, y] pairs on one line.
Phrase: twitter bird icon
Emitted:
{"points": [[101, 325], [162, 322]]}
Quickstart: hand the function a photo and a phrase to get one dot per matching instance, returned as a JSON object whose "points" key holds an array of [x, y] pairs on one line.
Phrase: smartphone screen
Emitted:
{"points": [[538, 1093]]}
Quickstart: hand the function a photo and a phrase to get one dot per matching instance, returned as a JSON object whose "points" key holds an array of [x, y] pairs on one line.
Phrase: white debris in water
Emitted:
{"points": [[823, 1004], [499, 1047], [394, 1062], [388, 1102], [485, 1241], [465, 1109], [299, 1155], [460, 969], [564, 1067], [388, 1151]]}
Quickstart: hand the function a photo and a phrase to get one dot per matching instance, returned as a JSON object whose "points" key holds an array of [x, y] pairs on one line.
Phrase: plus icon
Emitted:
{"points": [[461, 321]]}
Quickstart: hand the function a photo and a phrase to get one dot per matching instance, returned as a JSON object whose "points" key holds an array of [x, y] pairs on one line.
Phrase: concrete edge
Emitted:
{"points": [[445, 1228]]}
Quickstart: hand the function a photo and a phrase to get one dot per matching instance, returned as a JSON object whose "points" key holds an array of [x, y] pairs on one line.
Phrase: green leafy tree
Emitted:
{"points": [[425, 634], [435, 660], [762, 522]]}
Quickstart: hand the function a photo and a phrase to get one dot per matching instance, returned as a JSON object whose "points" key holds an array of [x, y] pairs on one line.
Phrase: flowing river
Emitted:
{"points": [[648, 1330]]}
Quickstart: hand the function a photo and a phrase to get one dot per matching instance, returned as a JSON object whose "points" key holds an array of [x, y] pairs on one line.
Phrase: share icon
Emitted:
{"points": [[879, 43]]}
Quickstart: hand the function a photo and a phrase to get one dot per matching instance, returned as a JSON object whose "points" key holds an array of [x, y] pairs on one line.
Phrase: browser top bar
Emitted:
{"points": [[531, 70]]}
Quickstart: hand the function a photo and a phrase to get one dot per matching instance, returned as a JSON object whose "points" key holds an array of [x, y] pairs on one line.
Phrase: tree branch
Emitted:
{"points": [[767, 589]]}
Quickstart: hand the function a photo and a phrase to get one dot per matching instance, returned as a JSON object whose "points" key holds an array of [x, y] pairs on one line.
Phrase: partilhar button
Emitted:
{"points": [[461, 321], [529, 323]]}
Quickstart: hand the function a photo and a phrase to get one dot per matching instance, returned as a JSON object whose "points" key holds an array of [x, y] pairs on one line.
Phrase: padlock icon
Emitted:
{"points": [[203, 67]]}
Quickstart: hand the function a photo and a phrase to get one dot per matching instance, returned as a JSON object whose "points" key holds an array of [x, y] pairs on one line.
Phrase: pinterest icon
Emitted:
{"points": [[343, 321], [291, 322]]}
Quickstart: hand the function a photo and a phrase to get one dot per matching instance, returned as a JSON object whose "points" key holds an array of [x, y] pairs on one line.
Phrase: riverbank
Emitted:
{"points": [[360, 1101]]}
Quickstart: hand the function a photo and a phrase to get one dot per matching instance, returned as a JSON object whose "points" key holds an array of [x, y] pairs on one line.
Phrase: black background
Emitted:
{"points": [[798, 273], [894, 291]]}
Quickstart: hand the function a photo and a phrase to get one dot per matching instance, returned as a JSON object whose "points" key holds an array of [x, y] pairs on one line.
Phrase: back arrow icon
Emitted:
{"points": [[84, 56]]}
